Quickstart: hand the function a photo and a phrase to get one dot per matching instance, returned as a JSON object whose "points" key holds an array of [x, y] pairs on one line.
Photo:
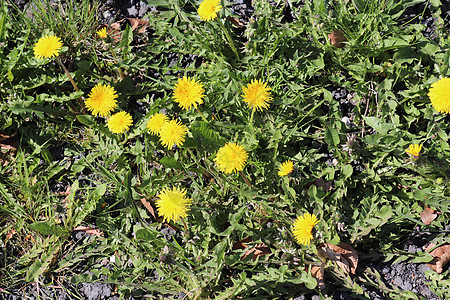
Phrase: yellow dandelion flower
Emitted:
{"points": [[156, 122], [47, 47], [257, 95], [102, 33], [120, 122], [172, 133], [285, 168], [231, 158], [188, 92], [439, 94], [172, 204], [102, 100], [414, 150], [302, 228], [208, 9]]}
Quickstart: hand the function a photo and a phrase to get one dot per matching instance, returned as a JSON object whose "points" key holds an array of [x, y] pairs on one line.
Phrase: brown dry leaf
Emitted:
{"points": [[6, 158], [236, 22], [114, 31], [337, 38], [136, 25], [10, 234], [441, 257], [8, 142], [241, 244], [65, 193], [317, 272], [4, 136], [92, 231], [428, 215], [149, 207], [343, 255], [259, 249]]}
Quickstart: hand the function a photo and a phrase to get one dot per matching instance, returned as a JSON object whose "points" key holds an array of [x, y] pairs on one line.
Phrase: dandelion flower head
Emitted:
{"points": [[102, 33], [439, 94], [414, 150], [47, 46], [285, 168], [120, 122], [156, 122], [172, 133], [172, 204], [208, 9], [188, 92], [102, 100], [302, 228], [257, 95], [231, 158]]}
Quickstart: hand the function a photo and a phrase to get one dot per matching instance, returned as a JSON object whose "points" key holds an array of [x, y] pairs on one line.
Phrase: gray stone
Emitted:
{"points": [[132, 11]]}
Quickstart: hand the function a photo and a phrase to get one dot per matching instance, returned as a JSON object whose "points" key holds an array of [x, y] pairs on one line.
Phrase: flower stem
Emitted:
{"points": [[115, 57], [251, 116], [230, 40], [124, 139], [75, 87], [184, 223], [245, 179], [203, 117]]}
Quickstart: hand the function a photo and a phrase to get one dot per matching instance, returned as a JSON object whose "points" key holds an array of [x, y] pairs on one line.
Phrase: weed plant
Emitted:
{"points": [[237, 228]]}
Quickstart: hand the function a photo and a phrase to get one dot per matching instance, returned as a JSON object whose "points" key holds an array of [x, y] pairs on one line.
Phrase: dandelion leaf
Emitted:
{"points": [[206, 138], [170, 162], [377, 124], [331, 137], [146, 235], [46, 228], [49, 249]]}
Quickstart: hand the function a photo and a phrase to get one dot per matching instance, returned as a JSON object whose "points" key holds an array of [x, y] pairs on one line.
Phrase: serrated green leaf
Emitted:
{"points": [[48, 229], [41, 265], [205, 137]]}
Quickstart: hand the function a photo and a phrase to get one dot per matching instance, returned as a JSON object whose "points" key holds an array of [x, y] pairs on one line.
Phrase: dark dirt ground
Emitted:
{"points": [[404, 276]]}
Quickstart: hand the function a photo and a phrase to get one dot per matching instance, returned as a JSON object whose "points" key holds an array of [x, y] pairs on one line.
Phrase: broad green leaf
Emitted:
{"points": [[405, 55], [219, 250], [99, 191], [379, 125], [309, 281], [421, 257], [331, 137], [48, 229], [170, 162], [87, 120], [429, 48], [347, 171], [146, 235]]}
